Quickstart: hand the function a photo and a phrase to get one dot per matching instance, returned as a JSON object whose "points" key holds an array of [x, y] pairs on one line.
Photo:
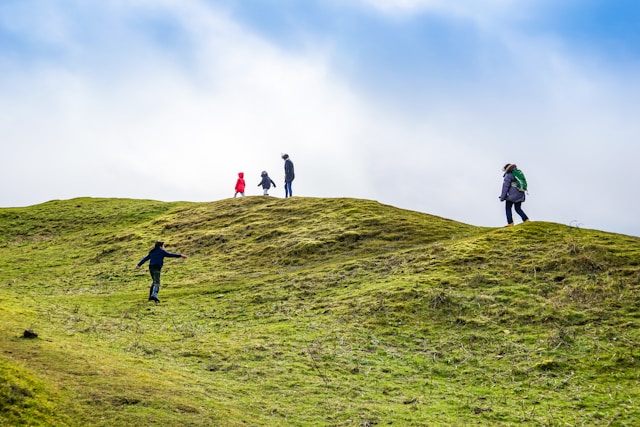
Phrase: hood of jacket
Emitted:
{"points": [[509, 167]]}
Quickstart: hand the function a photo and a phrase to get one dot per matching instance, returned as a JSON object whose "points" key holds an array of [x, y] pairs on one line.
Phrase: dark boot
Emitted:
{"points": [[155, 288]]}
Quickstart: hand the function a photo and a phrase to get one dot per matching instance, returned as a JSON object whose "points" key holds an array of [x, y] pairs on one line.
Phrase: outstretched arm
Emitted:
{"points": [[142, 261], [173, 255]]}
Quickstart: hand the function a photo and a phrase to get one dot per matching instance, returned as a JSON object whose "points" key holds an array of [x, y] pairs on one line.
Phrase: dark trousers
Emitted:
{"points": [[508, 205], [154, 270]]}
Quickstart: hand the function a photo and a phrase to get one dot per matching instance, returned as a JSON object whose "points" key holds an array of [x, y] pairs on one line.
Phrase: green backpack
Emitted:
{"points": [[520, 182]]}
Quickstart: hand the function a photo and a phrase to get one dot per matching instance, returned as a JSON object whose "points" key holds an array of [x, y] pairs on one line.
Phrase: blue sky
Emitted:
{"points": [[414, 103]]}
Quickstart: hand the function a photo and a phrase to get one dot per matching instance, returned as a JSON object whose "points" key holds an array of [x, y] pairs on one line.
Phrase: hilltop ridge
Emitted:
{"points": [[312, 311]]}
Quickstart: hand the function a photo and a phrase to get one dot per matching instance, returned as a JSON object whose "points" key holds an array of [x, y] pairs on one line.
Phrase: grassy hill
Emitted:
{"points": [[312, 312]]}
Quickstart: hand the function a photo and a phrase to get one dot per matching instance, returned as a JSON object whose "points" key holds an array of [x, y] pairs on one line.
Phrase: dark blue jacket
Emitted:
{"points": [[288, 171], [156, 257]]}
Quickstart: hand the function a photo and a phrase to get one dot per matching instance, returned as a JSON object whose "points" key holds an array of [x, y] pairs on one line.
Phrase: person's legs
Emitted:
{"points": [[153, 281], [520, 212], [507, 206], [155, 286], [287, 189], [155, 274]]}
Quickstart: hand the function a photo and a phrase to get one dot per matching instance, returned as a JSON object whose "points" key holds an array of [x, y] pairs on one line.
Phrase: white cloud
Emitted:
{"points": [[183, 134], [138, 119], [478, 11]]}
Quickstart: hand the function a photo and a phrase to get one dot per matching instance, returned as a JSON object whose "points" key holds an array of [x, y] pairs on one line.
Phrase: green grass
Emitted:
{"points": [[312, 312]]}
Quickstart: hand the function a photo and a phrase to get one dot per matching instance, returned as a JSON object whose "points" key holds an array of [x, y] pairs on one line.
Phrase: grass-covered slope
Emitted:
{"points": [[312, 312]]}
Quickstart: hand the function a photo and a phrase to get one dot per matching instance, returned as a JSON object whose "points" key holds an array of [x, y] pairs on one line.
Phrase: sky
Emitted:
{"points": [[417, 104]]}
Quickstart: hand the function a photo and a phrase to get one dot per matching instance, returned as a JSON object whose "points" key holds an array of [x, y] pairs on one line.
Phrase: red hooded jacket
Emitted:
{"points": [[240, 183]]}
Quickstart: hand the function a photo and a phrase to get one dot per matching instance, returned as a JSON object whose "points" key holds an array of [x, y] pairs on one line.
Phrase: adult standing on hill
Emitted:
{"points": [[156, 258], [512, 195], [289, 175]]}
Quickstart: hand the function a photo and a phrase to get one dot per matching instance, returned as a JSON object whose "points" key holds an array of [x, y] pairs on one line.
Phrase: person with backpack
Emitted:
{"points": [[156, 258], [266, 182], [289, 175], [513, 192], [240, 184]]}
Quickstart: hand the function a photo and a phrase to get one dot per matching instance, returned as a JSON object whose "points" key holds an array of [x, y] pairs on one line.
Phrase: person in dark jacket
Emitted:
{"points": [[156, 258], [240, 184], [266, 182], [512, 195], [289, 175]]}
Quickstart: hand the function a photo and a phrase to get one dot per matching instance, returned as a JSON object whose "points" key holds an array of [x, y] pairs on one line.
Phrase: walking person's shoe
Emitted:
{"points": [[509, 225]]}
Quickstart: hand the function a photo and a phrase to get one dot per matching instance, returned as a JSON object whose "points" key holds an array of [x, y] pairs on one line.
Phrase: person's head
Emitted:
{"points": [[240, 174], [285, 156], [508, 167], [264, 173], [158, 245]]}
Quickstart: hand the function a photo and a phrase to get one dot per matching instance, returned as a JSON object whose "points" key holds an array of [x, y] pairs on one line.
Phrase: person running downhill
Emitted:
{"points": [[512, 195], [156, 258]]}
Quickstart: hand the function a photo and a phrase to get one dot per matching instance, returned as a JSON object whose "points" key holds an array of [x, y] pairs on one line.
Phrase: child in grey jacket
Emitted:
{"points": [[266, 183]]}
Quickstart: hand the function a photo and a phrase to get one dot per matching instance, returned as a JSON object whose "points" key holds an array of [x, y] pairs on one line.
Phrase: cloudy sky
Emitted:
{"points": [[414, 103]]}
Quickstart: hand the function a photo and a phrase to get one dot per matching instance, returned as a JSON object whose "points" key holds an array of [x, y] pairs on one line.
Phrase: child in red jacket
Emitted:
{"points": [[240, 184]]}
